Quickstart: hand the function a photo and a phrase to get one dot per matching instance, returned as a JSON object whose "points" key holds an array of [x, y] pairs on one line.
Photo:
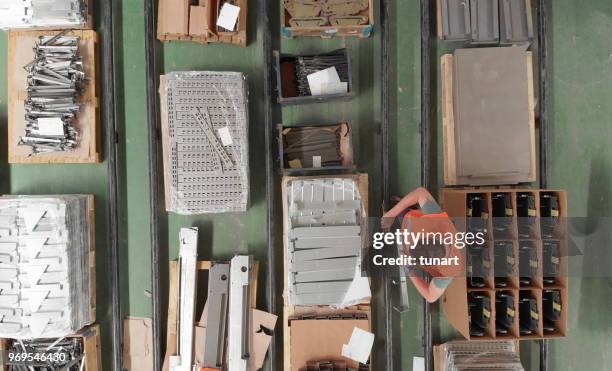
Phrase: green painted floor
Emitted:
{"points": [[580, 137]]}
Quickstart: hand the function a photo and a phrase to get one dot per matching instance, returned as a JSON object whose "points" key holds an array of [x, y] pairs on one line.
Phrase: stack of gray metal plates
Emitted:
{"points": [[43, 13], [205, 135], [45, 286], [324, 239], [486, 21]]}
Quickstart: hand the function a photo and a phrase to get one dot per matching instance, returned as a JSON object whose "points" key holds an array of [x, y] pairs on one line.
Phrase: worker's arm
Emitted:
{"points": [[432, 290], [419, 195]]}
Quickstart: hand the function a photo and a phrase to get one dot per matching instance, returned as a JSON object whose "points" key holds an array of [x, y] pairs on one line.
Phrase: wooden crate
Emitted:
{"points": [[448, 120], [290, 311], [326, 32], [91, 345], [173, 304], [454, 301], [177, 29], [86, 122]]}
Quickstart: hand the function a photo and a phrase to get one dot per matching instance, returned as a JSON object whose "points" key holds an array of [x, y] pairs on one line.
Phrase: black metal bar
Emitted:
{"points": [[425, 155], [543, 99], [270, 173], [108, 98], [387, 280], [153, 136]]}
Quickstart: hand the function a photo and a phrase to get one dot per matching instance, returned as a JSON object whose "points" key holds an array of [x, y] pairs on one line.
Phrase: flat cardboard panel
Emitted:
{"points": [[321, 340], [86, 122], [173, 17]]}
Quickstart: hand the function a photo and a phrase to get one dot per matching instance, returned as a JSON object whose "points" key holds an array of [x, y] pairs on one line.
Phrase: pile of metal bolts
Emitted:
{"points": [[55, 81], [46, 355]]}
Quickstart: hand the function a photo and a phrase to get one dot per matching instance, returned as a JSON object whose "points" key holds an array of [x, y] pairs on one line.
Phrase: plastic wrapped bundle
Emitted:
{"points": [[43, 13], [205, 140], [481, 355], [45, 269]]}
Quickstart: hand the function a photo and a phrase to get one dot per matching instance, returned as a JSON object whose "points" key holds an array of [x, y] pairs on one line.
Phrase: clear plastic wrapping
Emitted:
{"points": [[45, 270], [43, 13], [205, 139], [481, 355], [325, 241]]}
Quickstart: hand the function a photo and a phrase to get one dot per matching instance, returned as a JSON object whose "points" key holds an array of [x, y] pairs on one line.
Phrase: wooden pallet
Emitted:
{"points": [[91, 344], [179, 30], [87, 121], [327, 32], [448, 119], [290, 311]]}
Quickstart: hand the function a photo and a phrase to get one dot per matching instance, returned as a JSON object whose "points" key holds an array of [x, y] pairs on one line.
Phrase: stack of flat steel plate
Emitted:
{"points": [[205, 134], [324, 240], [43, 13], [45, 288]]}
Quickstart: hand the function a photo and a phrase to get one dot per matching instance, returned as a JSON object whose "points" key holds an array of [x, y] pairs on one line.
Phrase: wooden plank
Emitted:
{"points": [[532, 107], [448, 119], [20, 53], [92, 257]]}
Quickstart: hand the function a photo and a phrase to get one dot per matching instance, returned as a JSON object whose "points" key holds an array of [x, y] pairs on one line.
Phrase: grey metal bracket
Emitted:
{"points": [[515, 21], [484, 16], [456, 24], [217, 300]]}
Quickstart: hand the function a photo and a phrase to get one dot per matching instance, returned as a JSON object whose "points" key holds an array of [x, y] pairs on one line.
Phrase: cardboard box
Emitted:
{"points": [[346, 149], [179, 20], [507, 172], [455, 303], [87, 121], [328, 31], [91, 345], [299, 339]]}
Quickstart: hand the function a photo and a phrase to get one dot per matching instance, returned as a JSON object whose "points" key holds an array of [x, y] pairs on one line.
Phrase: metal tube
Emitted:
{"points": [[153, 120], [108, 86]]}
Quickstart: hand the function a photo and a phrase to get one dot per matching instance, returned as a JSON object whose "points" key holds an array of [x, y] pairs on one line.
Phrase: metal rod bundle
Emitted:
{"points": [[306, 65], [47, 355], [55, 81]]}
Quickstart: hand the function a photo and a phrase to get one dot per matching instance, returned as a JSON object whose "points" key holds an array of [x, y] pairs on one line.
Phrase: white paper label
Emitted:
{"points": [[225, 136], [418, 364], [316, 161], [228, 16], [359, 347], [318, 81], [50, 126]]}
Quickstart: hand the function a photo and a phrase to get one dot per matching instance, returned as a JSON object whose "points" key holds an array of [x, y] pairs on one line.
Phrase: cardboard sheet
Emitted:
{"points": [[322, 339], [263, 325], [137, 344]]}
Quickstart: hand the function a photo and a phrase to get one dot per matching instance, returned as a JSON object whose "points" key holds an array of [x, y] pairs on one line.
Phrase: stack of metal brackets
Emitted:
{"points": [[481, 355], [43, 13], [44, 266], [205, 126], [486, 21], [325, 239]]}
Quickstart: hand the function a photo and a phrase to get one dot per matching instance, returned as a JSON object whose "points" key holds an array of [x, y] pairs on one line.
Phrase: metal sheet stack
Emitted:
{"points": [[45, 284], [205, 136], [325, 242], [43, 13], [482, 355]]}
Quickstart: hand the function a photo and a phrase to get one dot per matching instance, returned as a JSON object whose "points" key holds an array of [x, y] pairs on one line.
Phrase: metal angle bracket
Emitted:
{"points": [[456, 24], [239, 336], [188, 259], [218, 288], [206, 125]]}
